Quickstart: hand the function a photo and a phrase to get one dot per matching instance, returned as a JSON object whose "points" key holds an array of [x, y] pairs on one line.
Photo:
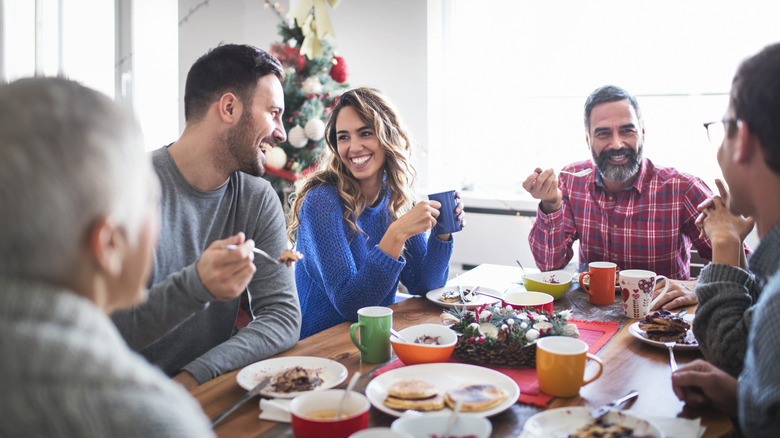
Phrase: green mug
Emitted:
{"points": [[374, 340]]}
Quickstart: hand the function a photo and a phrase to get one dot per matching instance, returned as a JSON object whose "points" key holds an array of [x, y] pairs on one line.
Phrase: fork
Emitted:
{"points": [[470, 294], [582, 172], [262, 253], [673, 363]]}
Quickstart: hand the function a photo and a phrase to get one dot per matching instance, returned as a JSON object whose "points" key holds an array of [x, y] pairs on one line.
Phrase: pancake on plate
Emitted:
{"points": [[296, 379], [449, 296], [414, 394], [663, 326], [476, 397]]}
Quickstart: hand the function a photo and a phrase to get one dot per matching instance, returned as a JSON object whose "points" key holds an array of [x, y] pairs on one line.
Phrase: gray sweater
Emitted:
{"points": [[727, 297], [66, 372], [182, 326]]}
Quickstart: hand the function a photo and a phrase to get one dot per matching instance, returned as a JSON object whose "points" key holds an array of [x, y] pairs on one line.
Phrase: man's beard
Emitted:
{"points": [[241, 148], [618, 172]]}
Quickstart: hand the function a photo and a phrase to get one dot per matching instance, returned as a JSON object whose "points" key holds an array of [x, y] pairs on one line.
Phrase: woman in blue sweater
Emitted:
{"points": [[355, 220]]}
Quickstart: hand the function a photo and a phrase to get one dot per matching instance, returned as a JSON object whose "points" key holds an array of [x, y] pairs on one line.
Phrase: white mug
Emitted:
{"points": [[636, 291]]}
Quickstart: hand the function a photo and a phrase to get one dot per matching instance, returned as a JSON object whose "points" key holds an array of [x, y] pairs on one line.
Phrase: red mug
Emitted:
{"points": [[601, 286]]}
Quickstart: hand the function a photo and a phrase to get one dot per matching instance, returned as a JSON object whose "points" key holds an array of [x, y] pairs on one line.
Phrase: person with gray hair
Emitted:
{"points": [[215, 209], [77, 236], [626, 210]]}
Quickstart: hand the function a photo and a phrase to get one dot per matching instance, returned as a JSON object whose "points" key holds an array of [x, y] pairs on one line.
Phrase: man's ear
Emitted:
{"points": [[747, 143], [107, 245], [229, 108]]}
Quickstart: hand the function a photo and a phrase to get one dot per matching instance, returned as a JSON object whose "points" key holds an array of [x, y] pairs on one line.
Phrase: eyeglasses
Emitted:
{"points": [[716, 131]]}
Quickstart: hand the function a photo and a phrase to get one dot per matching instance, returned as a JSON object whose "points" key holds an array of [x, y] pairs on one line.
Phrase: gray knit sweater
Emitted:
{"points": [[727, 297], [66, 372], [182, 326]]}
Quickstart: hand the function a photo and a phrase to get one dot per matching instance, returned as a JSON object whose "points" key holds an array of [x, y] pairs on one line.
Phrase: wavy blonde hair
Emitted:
{"points": [[374, 110]]}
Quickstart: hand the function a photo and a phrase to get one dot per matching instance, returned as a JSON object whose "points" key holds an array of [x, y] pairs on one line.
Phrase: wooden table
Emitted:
{"points": [[628, 364]]}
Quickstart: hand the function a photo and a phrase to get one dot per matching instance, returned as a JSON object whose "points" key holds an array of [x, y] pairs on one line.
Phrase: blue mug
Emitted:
{"points": [[447, 222]]}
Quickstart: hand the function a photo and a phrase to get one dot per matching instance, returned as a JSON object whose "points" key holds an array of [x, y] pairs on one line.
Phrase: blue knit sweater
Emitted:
{"points": [[337, 276]]}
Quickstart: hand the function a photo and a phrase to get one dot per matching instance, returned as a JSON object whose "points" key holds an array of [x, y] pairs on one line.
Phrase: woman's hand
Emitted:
{"points": [[422, 217]]}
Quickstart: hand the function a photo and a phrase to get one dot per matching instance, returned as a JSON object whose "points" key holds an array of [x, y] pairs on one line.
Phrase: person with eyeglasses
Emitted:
{"points": [[740, 308], [627, 210]]}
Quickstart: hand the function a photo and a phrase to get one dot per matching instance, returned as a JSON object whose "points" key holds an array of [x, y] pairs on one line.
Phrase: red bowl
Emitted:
{"points": [[537, 300], [354, 415]]}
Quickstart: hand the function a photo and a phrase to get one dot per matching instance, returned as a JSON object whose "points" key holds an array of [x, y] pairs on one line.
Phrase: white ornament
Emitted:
{"points": [[484, 315], [276, 157], [311, 85], [523, 325], [297, 137], [511, 321], [315, 129], [543, 326], [488, 330], [532, 335]]}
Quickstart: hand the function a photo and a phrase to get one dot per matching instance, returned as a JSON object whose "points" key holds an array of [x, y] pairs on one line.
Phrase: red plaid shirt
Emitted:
{"points": [[650, 225]]}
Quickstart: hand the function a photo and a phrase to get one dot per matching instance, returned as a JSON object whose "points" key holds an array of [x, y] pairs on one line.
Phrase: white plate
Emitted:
{"points": [[561, 422], [480, 300], [640, 334], [445, 376], [332, 373]]}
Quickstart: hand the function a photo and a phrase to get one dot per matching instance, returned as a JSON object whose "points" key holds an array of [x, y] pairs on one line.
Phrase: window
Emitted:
{"points": [[508, 80], [77, 39]]}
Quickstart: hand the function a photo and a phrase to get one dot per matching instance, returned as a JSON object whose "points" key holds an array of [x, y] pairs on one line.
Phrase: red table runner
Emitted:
{"points": [[595, 333]]}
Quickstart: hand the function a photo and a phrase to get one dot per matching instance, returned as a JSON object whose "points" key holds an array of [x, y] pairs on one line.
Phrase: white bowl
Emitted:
{"points": [[435, 424]]}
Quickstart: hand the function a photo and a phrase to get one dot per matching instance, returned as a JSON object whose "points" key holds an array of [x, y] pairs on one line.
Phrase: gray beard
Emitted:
{"points": [[618, 173]]}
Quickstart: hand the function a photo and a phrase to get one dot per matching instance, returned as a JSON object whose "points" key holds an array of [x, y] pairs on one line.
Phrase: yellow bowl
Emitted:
{"points": [[555, 283], [412, 353]]}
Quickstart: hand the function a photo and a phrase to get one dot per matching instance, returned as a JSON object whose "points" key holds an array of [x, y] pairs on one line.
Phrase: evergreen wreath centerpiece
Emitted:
{"points": [[499, 335]]}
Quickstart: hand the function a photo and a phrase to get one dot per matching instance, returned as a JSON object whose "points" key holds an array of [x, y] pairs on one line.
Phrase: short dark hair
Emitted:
{"points": [[230, 68], [755, 99], [606, 94]]}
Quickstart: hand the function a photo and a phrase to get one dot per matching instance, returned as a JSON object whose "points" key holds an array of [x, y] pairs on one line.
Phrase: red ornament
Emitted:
{"points": [[339, 71], [289, 57]]}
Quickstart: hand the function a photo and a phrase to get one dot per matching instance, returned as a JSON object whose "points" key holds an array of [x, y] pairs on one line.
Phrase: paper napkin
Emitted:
{"points": [[275, 410]]}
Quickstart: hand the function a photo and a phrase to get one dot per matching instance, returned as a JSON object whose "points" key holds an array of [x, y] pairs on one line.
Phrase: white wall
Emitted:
{"points": [[383, 43]]}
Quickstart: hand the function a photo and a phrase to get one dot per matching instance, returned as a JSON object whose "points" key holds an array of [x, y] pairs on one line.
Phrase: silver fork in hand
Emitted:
{"points": [[673, 363], [582, 172]]}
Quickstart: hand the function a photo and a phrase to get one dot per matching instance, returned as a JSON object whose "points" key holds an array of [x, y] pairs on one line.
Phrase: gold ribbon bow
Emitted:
{"points": [[315, 26]]}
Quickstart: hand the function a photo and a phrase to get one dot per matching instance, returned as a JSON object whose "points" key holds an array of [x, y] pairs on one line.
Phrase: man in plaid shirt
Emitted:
{"points": [[628, 211]]}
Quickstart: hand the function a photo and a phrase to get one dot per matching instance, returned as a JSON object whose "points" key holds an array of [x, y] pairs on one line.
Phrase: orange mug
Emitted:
{"points": [[560, 365], [601, 287]]}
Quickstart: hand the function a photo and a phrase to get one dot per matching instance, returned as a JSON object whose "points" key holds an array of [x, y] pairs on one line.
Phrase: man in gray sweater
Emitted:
{"points": [[212, 196], [78, 227], [738, 319]]}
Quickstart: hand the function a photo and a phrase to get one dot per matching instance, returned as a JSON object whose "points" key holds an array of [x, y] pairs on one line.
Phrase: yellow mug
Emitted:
{"points": [[560, 365]]}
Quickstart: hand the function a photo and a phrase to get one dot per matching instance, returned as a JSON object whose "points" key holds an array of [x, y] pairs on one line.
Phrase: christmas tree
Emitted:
{"points": [[313, 81]]}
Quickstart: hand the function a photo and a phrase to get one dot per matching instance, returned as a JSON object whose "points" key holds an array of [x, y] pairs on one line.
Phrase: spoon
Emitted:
{"points": [[350, 386], [521, 266], [582, 172], [453, 417], [395, 333]]}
